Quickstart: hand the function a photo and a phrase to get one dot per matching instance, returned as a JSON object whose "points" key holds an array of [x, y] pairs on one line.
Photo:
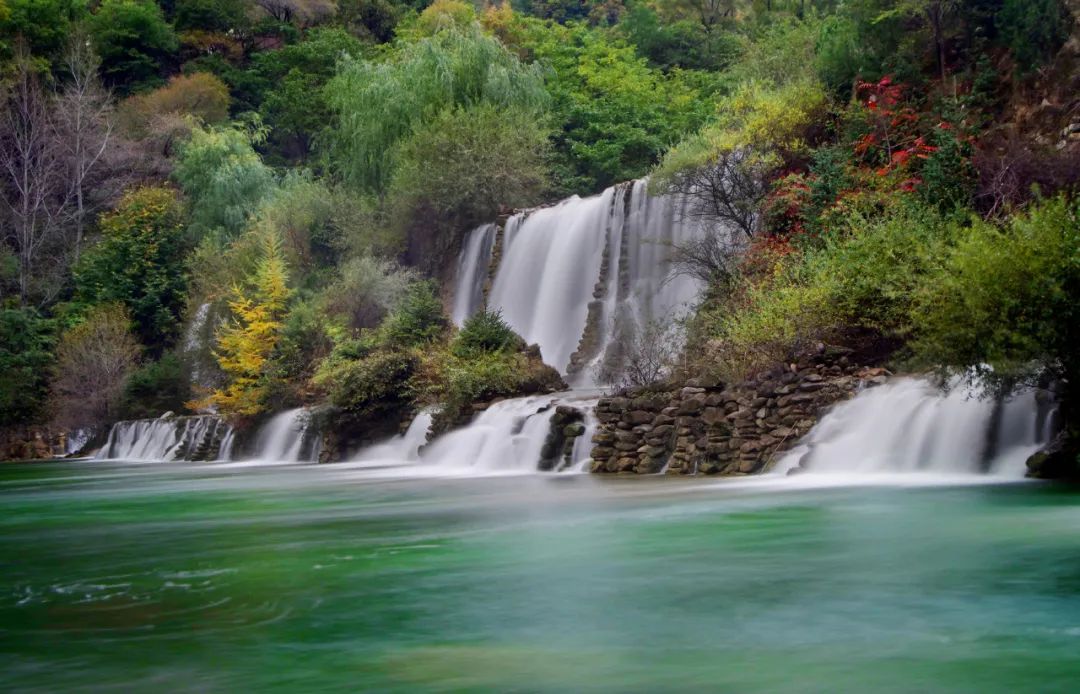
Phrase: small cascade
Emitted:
{"points": [[400, 449], [911, 426], [287, 438], [77, 440], [197, 337], [507, 437], [472, 271], [573, 276], [583, 444], [201, 437]]}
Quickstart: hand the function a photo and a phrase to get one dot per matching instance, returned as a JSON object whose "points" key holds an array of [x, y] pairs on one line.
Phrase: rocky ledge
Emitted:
{"points": [[715, 429]]}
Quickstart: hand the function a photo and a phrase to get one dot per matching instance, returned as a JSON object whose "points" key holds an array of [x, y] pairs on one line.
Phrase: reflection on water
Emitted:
{"points": [[173, 577]]}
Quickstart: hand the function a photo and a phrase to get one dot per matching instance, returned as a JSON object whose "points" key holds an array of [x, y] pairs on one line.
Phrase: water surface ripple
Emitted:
{"points": [[194, 578]]}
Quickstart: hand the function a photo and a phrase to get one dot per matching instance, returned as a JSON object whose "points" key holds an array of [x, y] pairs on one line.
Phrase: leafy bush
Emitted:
{"points": [[157, 387], [299, 210], [93, 362], [372, 385], [306, 339], [480, 378], [684, 44], [365, 291], [861, 277], [1033, 30], [1007, 298], [419, 318], [485, 332], [457, 383], [459, 170], [210, 15], [445, 15], [165, 112]]}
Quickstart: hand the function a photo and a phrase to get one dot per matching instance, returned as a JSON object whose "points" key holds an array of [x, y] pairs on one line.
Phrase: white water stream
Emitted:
{"points": [[203, 437], [552, 268], [910, 426], [283, 439]]}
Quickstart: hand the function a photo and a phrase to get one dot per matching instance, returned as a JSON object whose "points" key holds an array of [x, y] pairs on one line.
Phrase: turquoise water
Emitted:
{"points": [[196, 578]]}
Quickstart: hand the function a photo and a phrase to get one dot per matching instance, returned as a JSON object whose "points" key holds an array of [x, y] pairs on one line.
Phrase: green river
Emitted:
{"points": [[176, 577]]}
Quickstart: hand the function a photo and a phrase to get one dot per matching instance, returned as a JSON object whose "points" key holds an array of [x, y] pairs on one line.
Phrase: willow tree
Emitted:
{"points": [[378, 105], [223, 177]]}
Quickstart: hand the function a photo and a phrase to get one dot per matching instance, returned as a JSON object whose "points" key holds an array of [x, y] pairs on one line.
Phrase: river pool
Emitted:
{"points": [[179, 577]]}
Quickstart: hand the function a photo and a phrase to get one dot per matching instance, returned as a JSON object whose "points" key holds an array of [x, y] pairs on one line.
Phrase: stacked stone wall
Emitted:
{"points": [[712, 429]]}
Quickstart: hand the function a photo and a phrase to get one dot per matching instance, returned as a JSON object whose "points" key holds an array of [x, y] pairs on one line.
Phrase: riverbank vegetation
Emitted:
{"points": [[270, 196]]}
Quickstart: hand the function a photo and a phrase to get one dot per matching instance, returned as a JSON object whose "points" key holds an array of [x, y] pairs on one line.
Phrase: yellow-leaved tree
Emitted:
{"points": [[246, 343]]}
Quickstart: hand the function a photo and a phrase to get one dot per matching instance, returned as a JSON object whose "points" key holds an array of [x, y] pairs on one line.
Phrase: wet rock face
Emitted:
{"points": [[567, 425], [723, 430]]}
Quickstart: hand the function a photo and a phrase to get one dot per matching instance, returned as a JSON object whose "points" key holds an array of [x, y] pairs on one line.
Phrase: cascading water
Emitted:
{"points": [[286, 438], [202, 437], [507, 437], [401, 449], [911, 426], [472, 271], [572, 276]]}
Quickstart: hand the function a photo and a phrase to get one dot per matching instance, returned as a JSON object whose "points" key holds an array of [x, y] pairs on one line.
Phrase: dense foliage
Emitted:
{"points": [[895, 172]]}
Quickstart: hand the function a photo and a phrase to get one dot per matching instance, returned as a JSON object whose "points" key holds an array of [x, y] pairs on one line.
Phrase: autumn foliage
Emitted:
{"points": [[246, 344]]}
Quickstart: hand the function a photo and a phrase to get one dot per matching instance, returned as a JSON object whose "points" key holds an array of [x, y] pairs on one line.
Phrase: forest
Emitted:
{"points": [[244, 205]]}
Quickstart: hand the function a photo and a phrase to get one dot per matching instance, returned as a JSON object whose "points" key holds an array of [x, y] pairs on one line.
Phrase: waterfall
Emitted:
{"points": [[506, 437], [401, 449], [910, 425], [287, 438], [201, 437], [77, 440], [472, 271], [573, 275]]}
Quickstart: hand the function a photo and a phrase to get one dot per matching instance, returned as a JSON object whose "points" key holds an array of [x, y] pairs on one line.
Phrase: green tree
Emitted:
{"points": [[460, 169], [615, 115], [1033, 30], [139, 263], [373, 19], [157, 387], [168, 113], [224, 178], [418, 319], [134, 42], [44, 25], [364, 291], [299, 211], [294, 106], [1008, 298], [377, 105], [26, 344], [211, 15]]}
